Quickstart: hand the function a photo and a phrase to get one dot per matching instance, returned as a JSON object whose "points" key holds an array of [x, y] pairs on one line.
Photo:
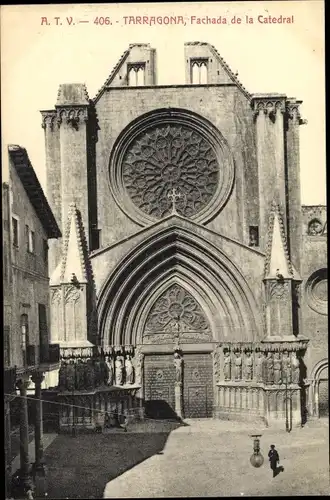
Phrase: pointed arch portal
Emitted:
{"points": [[177, 259]]}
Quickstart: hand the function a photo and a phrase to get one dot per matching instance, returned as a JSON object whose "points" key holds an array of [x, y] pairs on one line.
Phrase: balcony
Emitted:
{"points": [[40, 358]]}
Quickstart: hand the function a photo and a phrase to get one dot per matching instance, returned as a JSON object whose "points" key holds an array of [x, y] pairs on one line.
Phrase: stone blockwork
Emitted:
{"points": [[314, 309], [193, 188]]}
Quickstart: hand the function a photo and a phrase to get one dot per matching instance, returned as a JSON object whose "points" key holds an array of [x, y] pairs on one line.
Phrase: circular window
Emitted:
{"points": [[171, 162], [317, 291]]}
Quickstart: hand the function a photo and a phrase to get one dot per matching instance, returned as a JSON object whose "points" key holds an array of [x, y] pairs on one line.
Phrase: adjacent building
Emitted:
{"points": [[190, 280], [28, 224]]}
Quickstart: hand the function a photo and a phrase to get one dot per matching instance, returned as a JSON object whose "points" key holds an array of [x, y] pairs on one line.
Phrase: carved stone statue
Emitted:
{"points": [[286, 366], [62, 376], [89, 374], [264, 368], [238, 366], [109, 372], [227, 366], [259, 363], [129, 370], [270, 368], [138, 366], [248, 366], [70, 376], [98, 371], [119, 368], [178, 361], [80, 374], [277, 368], [295, 368]]}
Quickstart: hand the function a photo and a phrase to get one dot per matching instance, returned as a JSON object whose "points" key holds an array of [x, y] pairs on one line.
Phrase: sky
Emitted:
{"points": [[285, 58]]}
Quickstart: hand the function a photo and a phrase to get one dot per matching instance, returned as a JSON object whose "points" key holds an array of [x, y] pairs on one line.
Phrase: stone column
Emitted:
{"points": [[72, 117], [178, 364], [293, 121], [178, 399], [53, 179], [269, 122], [7, 446], [37, 379], [22, 385]]}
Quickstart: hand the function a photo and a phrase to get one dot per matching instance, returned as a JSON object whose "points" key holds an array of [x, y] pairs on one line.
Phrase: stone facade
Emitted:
{"points": [[28, 225], [184, 233]]}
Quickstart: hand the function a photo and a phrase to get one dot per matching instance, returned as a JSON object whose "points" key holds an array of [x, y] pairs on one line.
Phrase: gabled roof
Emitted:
{"points": [[112, 74], [277, 254], [33, 189], [225, 66]]}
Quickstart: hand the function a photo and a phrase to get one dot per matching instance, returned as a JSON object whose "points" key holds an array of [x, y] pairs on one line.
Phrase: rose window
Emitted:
{"points": [[170, 159], [317, 291], [176, 310]]}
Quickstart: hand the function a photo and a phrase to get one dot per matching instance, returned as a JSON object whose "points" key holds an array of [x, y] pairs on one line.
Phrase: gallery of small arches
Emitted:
{"points": [[191, 284]]}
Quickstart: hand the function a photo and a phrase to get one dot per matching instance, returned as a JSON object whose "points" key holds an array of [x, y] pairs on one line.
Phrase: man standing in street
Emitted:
{"points": [[273, 459]]}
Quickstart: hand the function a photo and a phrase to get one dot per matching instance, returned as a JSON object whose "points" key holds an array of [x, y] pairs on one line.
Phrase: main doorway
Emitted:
{"points": [[197, 389]]}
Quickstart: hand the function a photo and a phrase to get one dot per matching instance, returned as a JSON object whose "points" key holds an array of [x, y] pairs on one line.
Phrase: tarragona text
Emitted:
{"points": [[261, 19]]}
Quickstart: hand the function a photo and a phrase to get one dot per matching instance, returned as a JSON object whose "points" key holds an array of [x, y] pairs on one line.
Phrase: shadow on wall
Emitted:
{"points": [[159, 409], [80, 467]]}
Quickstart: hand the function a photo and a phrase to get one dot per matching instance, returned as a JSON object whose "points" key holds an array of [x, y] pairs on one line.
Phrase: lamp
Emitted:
{"points": [[256, 458]]}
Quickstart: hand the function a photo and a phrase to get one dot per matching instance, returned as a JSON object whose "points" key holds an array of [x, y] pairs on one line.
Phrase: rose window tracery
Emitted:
{"points": [[166, 158], [176, 312]]}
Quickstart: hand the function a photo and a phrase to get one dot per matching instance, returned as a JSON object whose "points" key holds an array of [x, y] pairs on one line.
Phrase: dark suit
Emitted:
{"points": [[273, 459]]}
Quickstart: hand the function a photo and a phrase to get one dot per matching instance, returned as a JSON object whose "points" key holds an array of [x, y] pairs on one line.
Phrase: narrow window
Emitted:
{"points": [[24, 335], [253, 236], [195, 74], [140, 77], [45, 251], [14, 221], [203, 73], [30, 239], [132, 77]]}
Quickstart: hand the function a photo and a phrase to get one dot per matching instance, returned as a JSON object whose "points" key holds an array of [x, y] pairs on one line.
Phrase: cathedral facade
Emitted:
{"points": [[189, 280]]}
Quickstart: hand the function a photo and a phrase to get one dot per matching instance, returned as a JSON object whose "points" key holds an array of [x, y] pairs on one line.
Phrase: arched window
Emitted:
{"points": [[140, 77], [199, 68], [132, 77], [203, 73], [195, 74], [135, 75]]}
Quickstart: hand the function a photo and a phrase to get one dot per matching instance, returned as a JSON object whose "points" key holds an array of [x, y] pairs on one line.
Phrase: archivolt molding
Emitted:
{"points": [[177, 255], [318, 369], [174, 118]]}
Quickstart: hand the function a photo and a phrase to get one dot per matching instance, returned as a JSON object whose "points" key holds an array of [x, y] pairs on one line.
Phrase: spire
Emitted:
{"points": [[73, 266], [277, 263]]}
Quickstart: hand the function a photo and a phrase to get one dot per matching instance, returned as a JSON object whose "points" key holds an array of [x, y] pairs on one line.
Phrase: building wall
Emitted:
{"points": [[226, 108], [314, 311], [30, 282]]}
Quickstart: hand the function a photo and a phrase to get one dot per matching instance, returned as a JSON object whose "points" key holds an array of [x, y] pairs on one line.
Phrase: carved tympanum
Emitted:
{"points": [[176, 312], [168, 157]]}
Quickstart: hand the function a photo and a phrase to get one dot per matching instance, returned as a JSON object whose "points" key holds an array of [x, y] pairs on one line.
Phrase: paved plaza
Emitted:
{"points": [[211, 458], [201, 458]]}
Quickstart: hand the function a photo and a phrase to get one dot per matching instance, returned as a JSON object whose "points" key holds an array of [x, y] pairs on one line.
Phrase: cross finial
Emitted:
{"points": [[174, 195]]}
